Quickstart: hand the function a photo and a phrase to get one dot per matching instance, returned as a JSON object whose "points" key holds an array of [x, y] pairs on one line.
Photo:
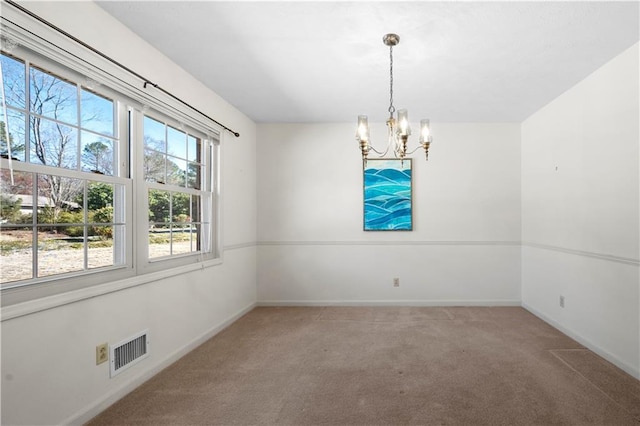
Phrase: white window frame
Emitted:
{"points": [[210, 157], [60, 56], [123, 243]]}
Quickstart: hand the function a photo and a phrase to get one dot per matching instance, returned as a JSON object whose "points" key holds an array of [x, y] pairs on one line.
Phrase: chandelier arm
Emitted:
{"points": [[378, 152], [416, 148]]}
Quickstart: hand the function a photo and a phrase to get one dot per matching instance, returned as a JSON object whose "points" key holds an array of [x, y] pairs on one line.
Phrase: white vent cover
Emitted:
{"points": [[129, 352]]}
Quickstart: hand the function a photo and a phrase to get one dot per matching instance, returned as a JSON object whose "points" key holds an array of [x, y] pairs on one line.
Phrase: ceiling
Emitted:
{"points": [[286, 61]]}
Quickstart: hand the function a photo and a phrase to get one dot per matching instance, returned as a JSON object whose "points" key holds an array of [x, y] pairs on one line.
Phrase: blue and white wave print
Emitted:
{"points": [[387, 199]]}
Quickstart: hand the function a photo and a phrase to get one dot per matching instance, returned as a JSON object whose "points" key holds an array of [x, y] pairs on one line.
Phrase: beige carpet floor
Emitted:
{"points": [[385, 366]]}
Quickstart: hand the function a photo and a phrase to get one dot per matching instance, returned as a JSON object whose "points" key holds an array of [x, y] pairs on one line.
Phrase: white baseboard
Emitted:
{"points": [[632, 370], [389, 303], [100, 405]]}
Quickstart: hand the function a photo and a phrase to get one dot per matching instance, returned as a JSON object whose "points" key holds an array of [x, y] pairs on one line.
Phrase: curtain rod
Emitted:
{"points": [[113, 61]]}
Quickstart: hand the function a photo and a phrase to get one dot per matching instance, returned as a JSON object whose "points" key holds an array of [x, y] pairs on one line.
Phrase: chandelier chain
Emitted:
{"points": [[392, 109]]}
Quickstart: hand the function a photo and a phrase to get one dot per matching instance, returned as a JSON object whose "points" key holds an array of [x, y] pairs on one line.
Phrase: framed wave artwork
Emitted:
{"points": [[388, 195]]}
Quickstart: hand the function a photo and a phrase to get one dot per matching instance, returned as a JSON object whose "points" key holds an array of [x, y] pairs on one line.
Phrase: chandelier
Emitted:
{"points": [[398, 129]]}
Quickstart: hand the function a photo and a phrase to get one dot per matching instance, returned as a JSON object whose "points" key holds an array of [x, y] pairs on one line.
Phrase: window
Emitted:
{"points": [[176, 168], [61, 199], [74, 210]]}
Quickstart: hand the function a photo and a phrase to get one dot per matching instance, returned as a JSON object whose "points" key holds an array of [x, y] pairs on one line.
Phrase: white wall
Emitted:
{"points": [[49, 374], [580, 210], [465, 244]]}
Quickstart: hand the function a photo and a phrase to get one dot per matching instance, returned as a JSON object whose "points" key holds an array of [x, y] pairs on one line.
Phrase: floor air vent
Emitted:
{"points": [[129, 352]]}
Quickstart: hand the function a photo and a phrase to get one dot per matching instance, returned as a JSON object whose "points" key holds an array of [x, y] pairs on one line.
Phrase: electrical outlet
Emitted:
{"points": [[396, 282], [102, 353], [562, 301]]}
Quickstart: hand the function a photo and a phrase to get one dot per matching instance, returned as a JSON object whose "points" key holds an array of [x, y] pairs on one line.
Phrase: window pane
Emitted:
{"points": [[101, 245], [16, 256], [176, 142], [181, 239], [16, 135], [59, 252], [17, 198], [99, 197], [176, 171], [13, 79], [53, 97], [102, 219], [15, 208], [159, 207], [101, 233], [159, 243], [195, 208], [58, 199], [53, 144], [154, 166], [154, 135], [193, 176], [181, 207], [193, 149], [97, 113], [97, 154]]}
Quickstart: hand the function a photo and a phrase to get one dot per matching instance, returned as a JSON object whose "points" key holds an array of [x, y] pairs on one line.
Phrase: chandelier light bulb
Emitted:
{"points": [[425, 131], [404, 129], [363, 128]]}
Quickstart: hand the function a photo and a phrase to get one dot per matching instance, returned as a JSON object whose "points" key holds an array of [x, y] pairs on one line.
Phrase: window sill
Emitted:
{"points": [[51, 302]]}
